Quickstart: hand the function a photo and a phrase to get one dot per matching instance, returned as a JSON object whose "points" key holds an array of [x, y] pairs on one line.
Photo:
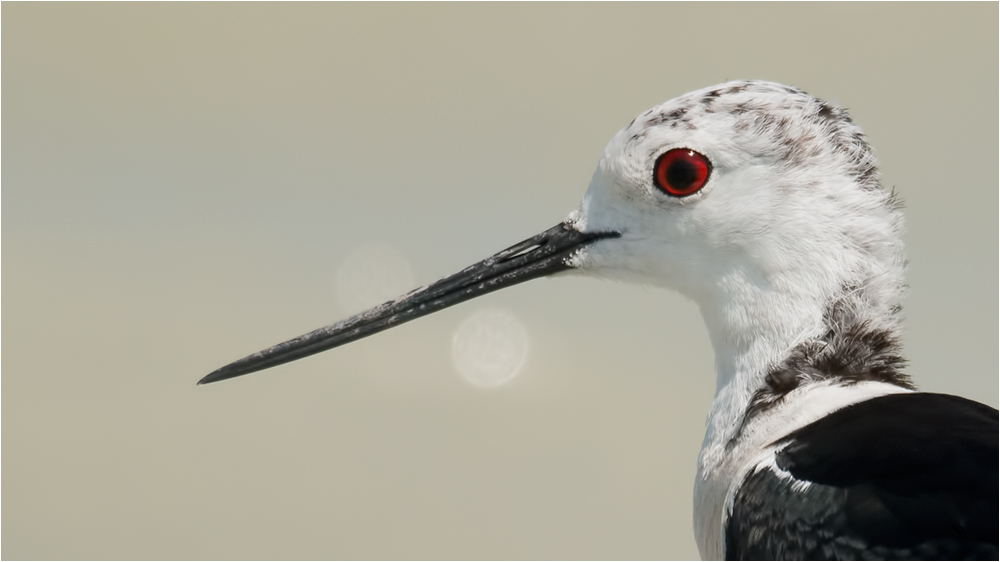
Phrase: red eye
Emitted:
{"points": [[681, 172]]}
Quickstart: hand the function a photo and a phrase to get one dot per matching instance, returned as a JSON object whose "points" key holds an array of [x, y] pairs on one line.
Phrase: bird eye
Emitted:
{"points": [[681, 172]]}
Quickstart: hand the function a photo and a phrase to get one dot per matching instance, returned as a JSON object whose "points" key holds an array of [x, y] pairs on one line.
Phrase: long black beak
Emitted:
{"points": [[538, 256]]}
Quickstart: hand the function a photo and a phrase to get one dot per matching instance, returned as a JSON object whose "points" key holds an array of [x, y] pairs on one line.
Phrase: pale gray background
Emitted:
{"points": [[181, 183]]}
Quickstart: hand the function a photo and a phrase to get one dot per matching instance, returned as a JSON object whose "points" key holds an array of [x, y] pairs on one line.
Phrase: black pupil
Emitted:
{"points": [[681, 174]]}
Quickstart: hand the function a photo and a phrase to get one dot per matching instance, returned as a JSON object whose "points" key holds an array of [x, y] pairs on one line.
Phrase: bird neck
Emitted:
{"points": [[776, 336]]}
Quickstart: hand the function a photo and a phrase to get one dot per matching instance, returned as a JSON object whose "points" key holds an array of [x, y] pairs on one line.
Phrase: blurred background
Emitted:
{"points": [[183, 184]]}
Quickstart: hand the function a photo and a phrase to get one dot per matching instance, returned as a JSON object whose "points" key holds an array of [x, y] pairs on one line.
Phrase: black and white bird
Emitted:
{"points": [[763, 205]]}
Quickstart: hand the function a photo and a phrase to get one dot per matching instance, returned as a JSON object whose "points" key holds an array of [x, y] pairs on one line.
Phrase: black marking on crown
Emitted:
{"points": [[864, 168], [738, 87], [744, 107], [851, 351], [801, 127], [822, 120], [673, 118], [828, 113], [708, 98]]}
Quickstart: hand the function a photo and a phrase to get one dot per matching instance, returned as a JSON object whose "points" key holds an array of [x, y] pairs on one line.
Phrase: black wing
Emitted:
{"points": [[904, 476]]}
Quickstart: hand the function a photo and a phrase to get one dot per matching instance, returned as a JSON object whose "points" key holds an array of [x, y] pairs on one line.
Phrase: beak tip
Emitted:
{"points": [[214, 376]]}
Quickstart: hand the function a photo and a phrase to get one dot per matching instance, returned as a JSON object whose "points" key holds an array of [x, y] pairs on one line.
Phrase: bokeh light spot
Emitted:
{"points": [[489, 348]]}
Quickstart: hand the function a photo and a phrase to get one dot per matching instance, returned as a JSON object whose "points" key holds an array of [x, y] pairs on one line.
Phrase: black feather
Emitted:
{"points": [[903, 476]]}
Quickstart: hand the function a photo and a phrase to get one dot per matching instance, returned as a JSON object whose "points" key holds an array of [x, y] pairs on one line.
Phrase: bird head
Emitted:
{"points": [[752, 198], [749, 183]]}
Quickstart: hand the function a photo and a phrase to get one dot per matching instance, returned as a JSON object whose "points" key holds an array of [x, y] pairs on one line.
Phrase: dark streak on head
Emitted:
{"points": [[864, 169], [850, 141], [826, 125], [677, 117], [640, 135], [708, 98], [672, 117], [827, 113], [737, 88]]}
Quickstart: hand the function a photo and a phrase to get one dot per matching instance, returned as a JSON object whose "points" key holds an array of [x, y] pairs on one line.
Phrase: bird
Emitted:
{"points": [[763, 205]]}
